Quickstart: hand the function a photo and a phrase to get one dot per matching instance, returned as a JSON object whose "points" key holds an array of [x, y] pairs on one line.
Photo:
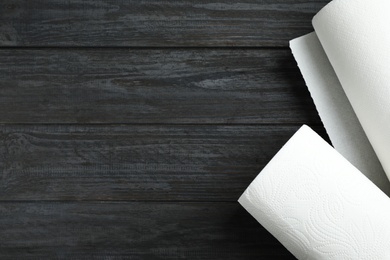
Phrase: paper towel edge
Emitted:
{"points": [[304, 129]]}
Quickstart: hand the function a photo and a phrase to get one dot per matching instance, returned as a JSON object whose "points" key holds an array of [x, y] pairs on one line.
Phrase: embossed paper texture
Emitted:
{"points": [[318, 205]]}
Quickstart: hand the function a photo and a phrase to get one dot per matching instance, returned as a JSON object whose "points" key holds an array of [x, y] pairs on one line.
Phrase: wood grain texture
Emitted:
{"points": [[97, 230], [155, 23], [169, 86], [208, 163], [128, 129]]}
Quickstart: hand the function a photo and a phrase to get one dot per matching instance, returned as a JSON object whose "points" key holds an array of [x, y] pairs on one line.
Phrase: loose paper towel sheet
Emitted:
{"points": [[318, 205], [335, 110]]}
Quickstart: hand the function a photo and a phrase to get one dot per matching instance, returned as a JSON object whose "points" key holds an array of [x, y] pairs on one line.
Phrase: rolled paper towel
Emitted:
{"points": [[353, 63], [318, 205], [356, 38]]}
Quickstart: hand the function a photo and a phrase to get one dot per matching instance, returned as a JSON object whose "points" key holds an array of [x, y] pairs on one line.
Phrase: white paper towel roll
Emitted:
{"points": [[318, 205], [356, 38], [351, 58]]}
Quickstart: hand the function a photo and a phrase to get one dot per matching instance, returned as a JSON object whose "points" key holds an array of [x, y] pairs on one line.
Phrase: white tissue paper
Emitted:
{"points": [[356, 38], [337, 115], [310, 197], [318, 205], [346, 67]]}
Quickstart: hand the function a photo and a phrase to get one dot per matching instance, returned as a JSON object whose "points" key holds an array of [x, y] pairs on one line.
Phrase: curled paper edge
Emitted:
{"points": [[340, 121]]}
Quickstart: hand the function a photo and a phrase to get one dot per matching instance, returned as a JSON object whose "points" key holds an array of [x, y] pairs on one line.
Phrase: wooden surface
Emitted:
{"points": [[128, 129], [156, 23]]}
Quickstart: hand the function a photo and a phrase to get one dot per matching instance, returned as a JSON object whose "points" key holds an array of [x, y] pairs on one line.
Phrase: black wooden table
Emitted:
{"points": [[128, 129]]}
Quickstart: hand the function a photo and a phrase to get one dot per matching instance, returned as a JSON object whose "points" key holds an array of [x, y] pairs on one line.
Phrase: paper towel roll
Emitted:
{"points": [[318, 205], [356, 38], [352, 49]]}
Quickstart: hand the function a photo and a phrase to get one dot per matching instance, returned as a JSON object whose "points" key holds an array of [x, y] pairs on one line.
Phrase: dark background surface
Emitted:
{"points": [[128, 129]]}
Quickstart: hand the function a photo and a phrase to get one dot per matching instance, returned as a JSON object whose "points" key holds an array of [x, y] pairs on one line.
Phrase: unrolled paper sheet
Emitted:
{"points": [[318, 205], [340, 121]]}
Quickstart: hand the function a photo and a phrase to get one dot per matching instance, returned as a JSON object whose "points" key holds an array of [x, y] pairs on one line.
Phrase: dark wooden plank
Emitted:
{"points": [[210, 163], [133, 231], [153, 86], [154, 22]]}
